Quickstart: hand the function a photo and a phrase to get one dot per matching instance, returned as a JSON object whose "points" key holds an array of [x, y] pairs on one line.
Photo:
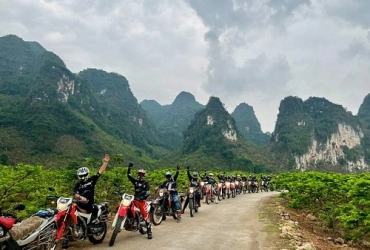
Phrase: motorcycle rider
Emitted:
{"points": [[170, 183], [85, 187], [194, 182], [221, 177], [142, 192], [244, 178], [84, 191], [213, 183]]}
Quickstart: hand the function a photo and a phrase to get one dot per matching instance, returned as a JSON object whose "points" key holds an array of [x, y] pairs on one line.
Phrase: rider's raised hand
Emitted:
{"points": [[130, 165], [106, 158], [178, 167], [187, 168]]}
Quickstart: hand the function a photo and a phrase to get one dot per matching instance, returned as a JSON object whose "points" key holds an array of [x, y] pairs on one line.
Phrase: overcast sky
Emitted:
{"points": [[252, 51]]}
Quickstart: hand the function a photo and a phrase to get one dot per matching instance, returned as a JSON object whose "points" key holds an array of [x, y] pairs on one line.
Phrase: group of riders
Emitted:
{"points": [[142, 188]]}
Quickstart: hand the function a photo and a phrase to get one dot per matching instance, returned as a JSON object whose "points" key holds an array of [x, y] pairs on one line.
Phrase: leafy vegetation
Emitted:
{"points": [[340, 201]]}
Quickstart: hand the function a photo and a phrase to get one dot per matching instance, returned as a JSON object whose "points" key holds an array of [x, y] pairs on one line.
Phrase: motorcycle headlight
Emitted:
{"points": [[161, 193], [2, 232], [191, 190], [237, 182], [202, 183]]}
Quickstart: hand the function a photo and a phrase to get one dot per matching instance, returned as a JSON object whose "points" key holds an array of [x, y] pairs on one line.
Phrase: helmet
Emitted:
{"points": [[210, 175], [195, 174], [83, 173], [168, 175], [238, 175], [141, 174]]}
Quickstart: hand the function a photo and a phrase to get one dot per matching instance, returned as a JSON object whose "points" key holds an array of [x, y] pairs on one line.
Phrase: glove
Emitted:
{"points": [[130, 165], [178, 167], [187, 168]]}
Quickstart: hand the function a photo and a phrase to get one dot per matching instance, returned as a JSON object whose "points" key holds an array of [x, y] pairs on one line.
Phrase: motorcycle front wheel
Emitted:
{"points": [[98, 238], [142, 225], [116, 230], [191, 207], [157, 215]]}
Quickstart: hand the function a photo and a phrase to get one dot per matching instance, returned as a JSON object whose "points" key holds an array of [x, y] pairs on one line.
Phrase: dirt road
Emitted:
{"points": [[232, 223]]}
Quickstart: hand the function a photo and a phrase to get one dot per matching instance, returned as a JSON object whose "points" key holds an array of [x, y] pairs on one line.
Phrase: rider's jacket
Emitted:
{"points": [[170, 183], [193, 181], [87, 188], [142, 188], [211, 181], [221, 178]]}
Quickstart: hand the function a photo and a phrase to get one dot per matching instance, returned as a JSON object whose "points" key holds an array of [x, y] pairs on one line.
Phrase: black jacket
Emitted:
{"points": [[171, 183], [142, 188]]}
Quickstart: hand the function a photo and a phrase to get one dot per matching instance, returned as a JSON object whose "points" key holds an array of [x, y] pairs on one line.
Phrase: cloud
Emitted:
{"points": [[253, 51]]}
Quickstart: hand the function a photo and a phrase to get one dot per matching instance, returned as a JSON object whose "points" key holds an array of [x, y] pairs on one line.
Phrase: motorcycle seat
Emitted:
{"points": [[21, 230]]}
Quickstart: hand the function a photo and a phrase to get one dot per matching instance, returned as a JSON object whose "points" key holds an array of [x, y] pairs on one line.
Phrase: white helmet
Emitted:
{"points": [[83, 173], [141, 174]]}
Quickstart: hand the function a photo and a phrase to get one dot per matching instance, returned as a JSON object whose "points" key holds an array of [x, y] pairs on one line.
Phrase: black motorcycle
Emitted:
{"points": [[164, 206]]}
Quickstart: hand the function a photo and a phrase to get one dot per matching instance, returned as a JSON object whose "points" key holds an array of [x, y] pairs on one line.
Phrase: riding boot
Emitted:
{"points": [[178, 212], [149, 230]]}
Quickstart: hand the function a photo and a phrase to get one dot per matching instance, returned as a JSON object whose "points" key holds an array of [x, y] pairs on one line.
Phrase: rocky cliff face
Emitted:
{"points": [[333, 150]]}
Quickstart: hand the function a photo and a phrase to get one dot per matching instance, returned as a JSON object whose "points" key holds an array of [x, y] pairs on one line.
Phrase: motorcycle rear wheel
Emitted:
{"points": [[116, 230], [157, 215]]}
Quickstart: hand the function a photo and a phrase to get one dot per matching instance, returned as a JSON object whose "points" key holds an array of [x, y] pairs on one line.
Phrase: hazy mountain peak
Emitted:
{"points": [[184, 97], [248, 125]]}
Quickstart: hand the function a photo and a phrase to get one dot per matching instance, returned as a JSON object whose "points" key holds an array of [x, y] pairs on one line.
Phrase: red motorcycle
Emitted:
{"points": [[7, 221], [128, 217], [209, 193], [74, 225], [233, 189]]}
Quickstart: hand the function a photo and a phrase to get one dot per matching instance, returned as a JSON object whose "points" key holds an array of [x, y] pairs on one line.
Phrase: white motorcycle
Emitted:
{"points": [[34, 233]]}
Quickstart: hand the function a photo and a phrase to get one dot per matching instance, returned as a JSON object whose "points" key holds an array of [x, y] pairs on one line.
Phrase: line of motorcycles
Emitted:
{"points": [[65, 223]]}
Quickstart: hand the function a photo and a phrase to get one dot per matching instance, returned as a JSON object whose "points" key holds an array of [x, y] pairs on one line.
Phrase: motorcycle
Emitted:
{"points": [[227, 189], [252, 186], [244, 187], [265, 185], [36, 232], [238, 187], [7, 221], [164, 206], [220, 193], [74, 225], [192, 192], [128, 217], [233, 189], [210, 193]]}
